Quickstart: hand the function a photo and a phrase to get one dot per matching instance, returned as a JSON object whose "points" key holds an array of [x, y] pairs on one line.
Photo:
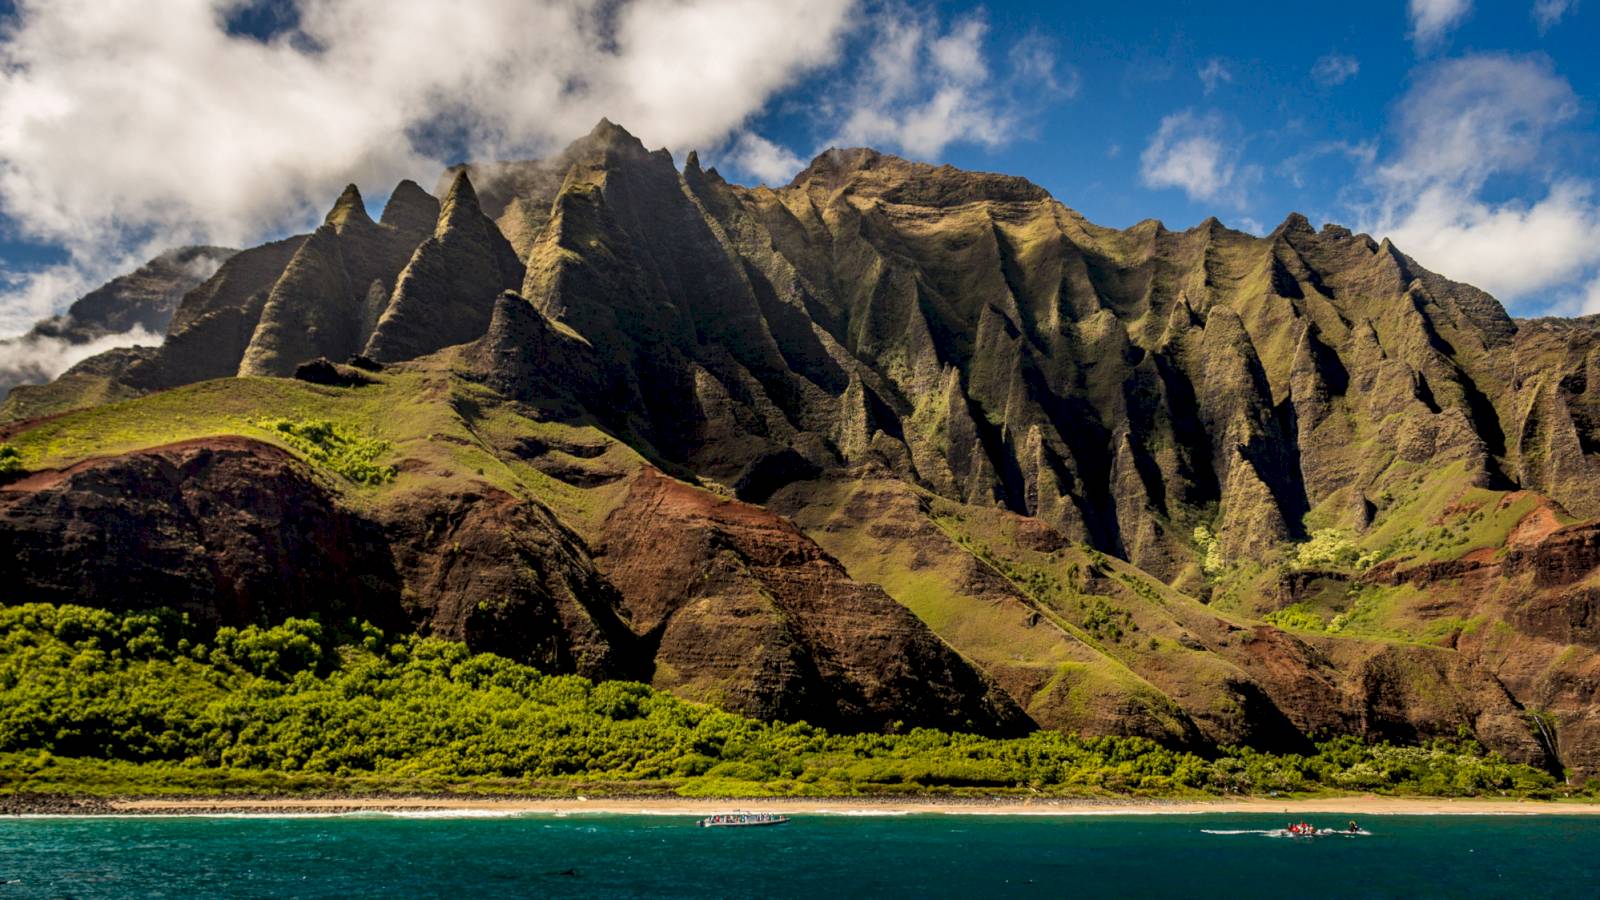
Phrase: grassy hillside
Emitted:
{"points": [[1083, 642], [430, 428]]}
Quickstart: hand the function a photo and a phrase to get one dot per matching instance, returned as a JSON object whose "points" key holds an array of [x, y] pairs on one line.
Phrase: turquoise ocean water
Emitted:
{"points": [[820, 857]]}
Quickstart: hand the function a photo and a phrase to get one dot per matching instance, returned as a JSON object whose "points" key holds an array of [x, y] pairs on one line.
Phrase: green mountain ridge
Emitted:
{"points": [[893, 445]]}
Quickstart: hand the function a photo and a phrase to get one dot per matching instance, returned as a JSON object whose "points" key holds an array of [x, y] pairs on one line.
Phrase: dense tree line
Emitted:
{"points": [[151, 694]]}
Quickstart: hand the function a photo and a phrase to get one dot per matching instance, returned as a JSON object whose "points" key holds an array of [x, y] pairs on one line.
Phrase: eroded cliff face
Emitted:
{"points": [[234, 531], [1053, 472], [749, 613]]}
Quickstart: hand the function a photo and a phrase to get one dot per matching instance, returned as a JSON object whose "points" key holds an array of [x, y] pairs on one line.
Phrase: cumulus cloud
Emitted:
{"points": [[1581, 299], [1591, 298], [772, 164], [1467, 121], [125, 130], [1213, 74], [1335, 69], [923, 87], [37, 359], [1431, 20], [1468, 118], [26, 297], [1547, 13], [1196, 154], [1512, 250]]}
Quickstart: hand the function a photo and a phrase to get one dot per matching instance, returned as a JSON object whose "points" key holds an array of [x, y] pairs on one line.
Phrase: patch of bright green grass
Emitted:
{"points": [[334, 448], [1296, 618]]}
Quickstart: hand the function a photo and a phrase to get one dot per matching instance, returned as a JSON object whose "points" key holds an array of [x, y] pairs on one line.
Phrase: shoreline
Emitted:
{"points": [[448, 807]]}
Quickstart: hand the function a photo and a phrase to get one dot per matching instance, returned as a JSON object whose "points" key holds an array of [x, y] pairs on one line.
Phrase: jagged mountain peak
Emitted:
{"points": [[871, 173], [460, 208], [348, 209], [911, 362], [605, 144], [607, 131], [1294, 222], [411, 209]]}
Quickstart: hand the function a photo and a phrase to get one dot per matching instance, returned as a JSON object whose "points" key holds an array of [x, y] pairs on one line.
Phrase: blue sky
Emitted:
{"points": [[1466, 130], [1307, 107]]}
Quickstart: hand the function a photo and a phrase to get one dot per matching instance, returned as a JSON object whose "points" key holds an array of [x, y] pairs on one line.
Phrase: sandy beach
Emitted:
{"points": [[1367, 805]]}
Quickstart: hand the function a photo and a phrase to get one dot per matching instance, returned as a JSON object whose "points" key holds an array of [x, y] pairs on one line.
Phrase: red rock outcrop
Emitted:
{"points": [[234, 531], [751, 614]]}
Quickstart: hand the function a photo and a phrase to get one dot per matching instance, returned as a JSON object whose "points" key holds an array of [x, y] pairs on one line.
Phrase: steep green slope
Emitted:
{"points": [[1199, 486]]}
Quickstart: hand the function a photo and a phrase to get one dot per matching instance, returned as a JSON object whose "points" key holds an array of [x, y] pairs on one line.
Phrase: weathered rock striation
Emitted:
{"points": [[892, 444]]}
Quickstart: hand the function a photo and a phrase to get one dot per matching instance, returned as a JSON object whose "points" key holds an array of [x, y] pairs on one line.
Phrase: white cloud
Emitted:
{"points": [[959, 53], [1467, 118], [772, 164], [1547, 13], [1591, 298], [125, 128], [1196, 154], [36, 360], [1431, 20], [1465, 122], [1214, 73], [1035, 70], [923, 88], [1335, 69], [1511, 250], [1362, 155], [1582, 299], [33, 295]]}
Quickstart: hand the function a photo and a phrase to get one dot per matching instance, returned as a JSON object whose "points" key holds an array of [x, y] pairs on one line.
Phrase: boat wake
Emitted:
{"points": [[1286, 833]]}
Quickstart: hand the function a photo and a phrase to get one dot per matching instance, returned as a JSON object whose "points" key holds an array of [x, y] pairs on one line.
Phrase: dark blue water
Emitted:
{"points": [[825, 857]]}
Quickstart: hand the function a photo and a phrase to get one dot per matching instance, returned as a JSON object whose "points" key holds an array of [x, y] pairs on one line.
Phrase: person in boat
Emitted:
{"points": [[1354, 828]]}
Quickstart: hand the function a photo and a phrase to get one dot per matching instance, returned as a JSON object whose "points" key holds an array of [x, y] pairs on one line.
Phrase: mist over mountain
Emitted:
{"points": [[891, 445], [129, 311]]}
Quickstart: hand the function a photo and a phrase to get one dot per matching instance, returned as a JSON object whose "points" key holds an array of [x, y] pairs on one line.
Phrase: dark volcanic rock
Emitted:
{"points": [[323, 371], [411, 210], [526, 357], [215, 322], [445, 295], [233, 532], [201, 527], [506, 577]]}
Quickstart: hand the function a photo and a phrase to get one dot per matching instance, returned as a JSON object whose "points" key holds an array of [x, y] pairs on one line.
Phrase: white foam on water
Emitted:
{"points": [[1286, 833]]}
